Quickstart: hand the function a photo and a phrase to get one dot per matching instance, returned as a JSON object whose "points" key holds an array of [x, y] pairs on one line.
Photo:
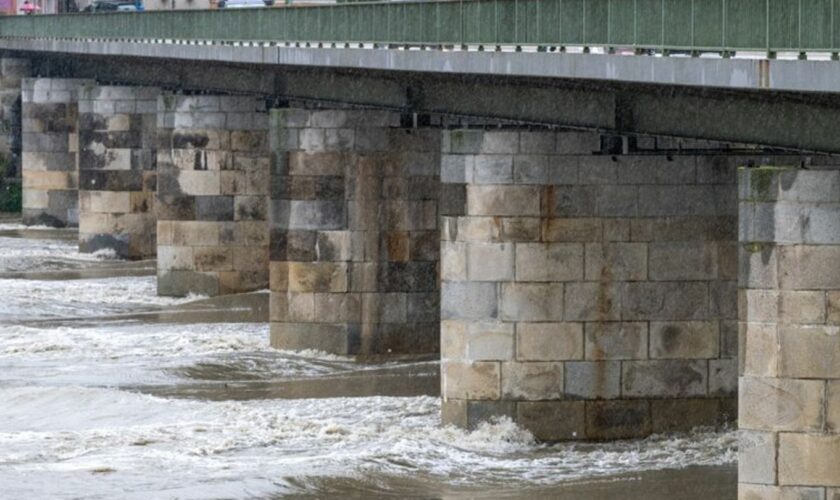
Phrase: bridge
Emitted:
{"points": [[609, 217]]}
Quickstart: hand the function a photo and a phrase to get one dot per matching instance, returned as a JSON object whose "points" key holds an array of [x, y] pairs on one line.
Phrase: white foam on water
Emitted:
{"points": [[153, 443], [34, 299], [70, 429]]}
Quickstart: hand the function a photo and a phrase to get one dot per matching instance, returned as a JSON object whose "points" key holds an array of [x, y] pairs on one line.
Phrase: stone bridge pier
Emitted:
{"points": [[50, 147], [355, 202], [789, 317], [212, 190], [118, 170], [587, 296]]}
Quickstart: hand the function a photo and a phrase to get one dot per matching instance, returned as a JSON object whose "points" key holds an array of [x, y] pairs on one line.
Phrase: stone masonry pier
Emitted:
{"points": [[354, 233], [212, 189], [12, 71], [50, 145], [789, 307], [118, 170], [587, 296]]}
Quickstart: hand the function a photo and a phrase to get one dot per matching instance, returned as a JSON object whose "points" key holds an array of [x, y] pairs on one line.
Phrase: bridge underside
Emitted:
{"points": [[772, 118]]}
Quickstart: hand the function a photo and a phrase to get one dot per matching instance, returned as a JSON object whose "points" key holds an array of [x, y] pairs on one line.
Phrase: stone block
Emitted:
{"points": [[593, 379], [479, 412], [456, 169], [762, 492], [617, 201], [549, 262], [553, 420], [338, 307], [520, 229], [617, 419], [581, 229], [562, 170], [469, 300], [501, 142], [453, 261], [833, 307], [759, 349], [757, 457], [208, 258], [664, 300], [616, 340], [532, 381], [549, 341], [809, 267], [592, 301], [832, 408], [531, 302], [757, 265], [616, 262], [537, 142], [530, 169], [809, 351], [597, 170], [490, 261], [570, 201], [684, 339], [478, 340], [479, 380], [503, 200], [683, 415], [493, 169], [317, 277], [809, 460], [683, 261], [343, 338], [802, 307], [177, 283], [771, 404], [664, 378]]}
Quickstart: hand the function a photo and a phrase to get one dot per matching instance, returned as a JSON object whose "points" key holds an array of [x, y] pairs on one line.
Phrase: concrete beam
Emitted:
{"points": [[741, 116], [788, 75]]}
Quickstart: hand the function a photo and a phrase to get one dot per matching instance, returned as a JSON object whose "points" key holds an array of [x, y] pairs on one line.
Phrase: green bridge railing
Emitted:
{"points": [[692, 25]]}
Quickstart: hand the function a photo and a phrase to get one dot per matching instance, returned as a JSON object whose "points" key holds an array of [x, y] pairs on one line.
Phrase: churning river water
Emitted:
{"points": [[108, 391]]}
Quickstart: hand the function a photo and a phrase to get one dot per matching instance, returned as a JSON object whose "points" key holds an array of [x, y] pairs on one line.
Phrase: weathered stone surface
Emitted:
{"points": [[809, 351], [617, 419], [664, 301], [684, 339], [531, 302], [757, 457], [671, 378], [683, 415], [593, 379], [809, 460], [616, 340], [761, 492], [490, 261], [553, 420], [592, 301], [549, 341], [532, 380], [479, 380], [469, 300], [549, 262], [780, 404], [616, 261]]}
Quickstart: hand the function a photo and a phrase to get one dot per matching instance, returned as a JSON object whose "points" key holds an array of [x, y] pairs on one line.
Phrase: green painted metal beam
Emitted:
{"points": [[694, 25]]}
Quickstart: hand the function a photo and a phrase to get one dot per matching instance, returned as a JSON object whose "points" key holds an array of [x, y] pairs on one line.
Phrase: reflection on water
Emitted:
{"points": [[107, 391]]}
